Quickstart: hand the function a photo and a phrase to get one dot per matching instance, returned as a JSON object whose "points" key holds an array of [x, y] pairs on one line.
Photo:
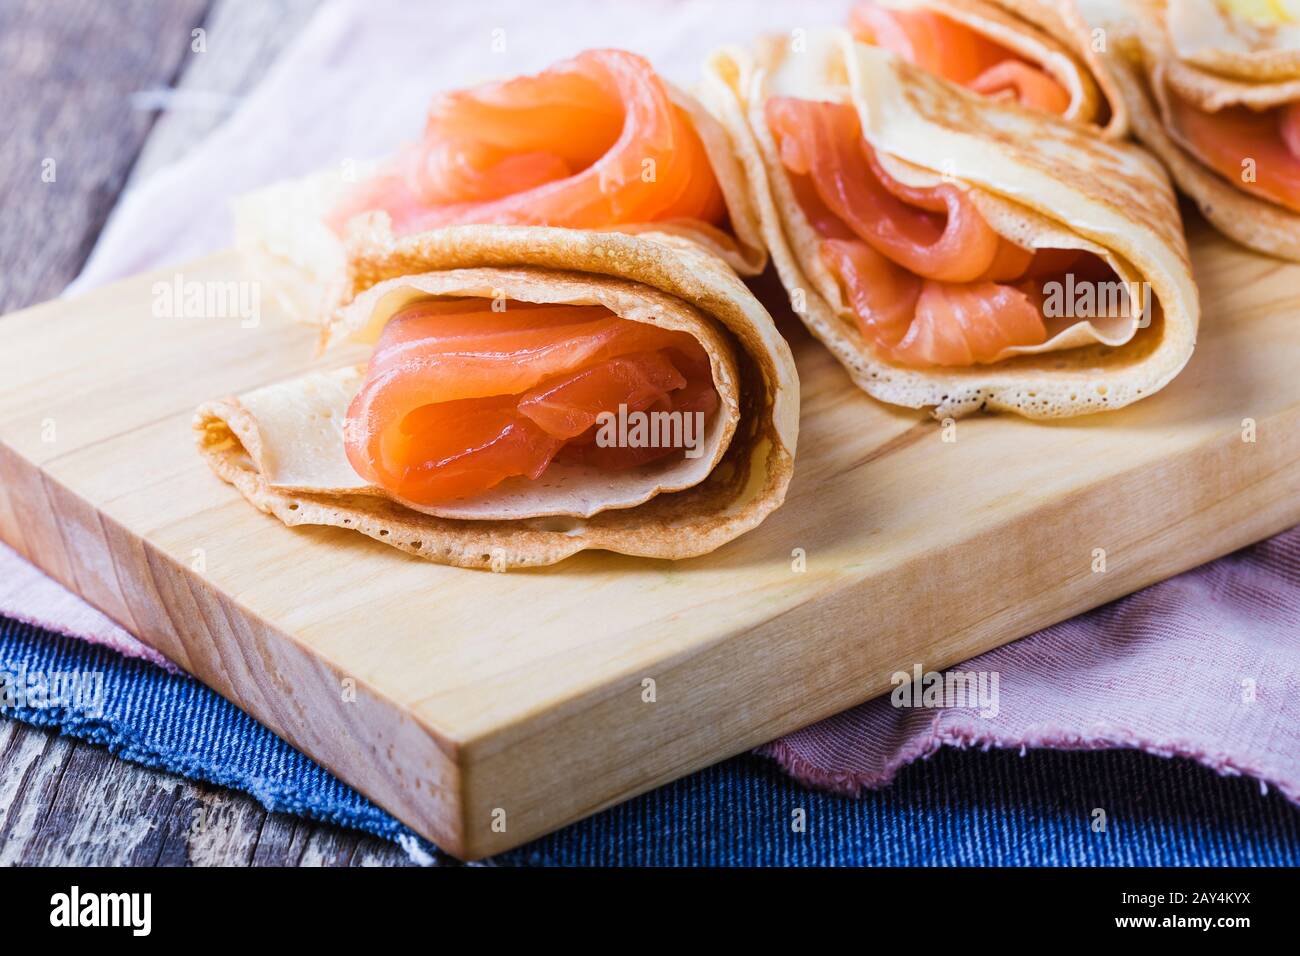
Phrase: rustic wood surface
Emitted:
{"points": [[68, 72]]}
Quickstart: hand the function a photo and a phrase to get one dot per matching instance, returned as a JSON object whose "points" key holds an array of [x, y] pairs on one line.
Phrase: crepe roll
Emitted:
{"points": [[955, 251], [1214, 91], [1038, 53], [596, 142], [526, 393]]}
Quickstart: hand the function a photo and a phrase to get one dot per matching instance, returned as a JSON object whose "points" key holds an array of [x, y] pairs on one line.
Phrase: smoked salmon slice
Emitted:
{"points": [[952, 50], [591, 143], [458, 397], [929, 282], [1227, 139]]}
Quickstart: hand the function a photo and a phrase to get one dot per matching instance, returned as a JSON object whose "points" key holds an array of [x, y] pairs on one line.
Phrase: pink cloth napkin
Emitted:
{"points": [[26, 594], [1206, 665]]}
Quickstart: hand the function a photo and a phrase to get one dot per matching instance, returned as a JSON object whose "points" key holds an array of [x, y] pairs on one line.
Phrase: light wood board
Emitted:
{"points": [[461, 699]]}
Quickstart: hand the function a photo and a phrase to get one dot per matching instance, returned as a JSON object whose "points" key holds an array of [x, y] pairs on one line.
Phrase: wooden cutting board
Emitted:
{"points": [[485, 709]]}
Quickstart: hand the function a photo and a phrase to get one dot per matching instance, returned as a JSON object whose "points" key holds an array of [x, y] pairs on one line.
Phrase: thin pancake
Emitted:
{"points": [[1258, 42], [1143, 61], [1039, 181], [290, 236], [1037, 33], [282, 446]]}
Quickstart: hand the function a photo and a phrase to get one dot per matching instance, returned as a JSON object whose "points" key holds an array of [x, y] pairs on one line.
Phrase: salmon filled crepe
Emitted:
{"points": [[953, 250], [1038, 53], [596, 142], [525, 393], [1214, 89]]}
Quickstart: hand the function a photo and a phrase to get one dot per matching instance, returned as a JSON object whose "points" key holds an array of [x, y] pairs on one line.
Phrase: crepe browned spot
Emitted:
{"points": [[282, 445]]}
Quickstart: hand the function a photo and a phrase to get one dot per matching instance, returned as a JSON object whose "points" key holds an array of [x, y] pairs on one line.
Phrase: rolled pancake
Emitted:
{"points": [[1159, 50], [1038, 181], [1229, 39], [1052, 35], [284, 241], [282, 446]]}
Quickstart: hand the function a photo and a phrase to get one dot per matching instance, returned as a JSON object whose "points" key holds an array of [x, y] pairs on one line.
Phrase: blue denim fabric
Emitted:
{"points": [[958, 808]]}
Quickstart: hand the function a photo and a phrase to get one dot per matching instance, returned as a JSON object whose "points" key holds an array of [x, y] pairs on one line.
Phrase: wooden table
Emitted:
{"points": [[63, 801]]}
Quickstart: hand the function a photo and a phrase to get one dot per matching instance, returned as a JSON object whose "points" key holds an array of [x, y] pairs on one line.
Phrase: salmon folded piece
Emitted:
{"points": [[1037, 53], [599, 141], [1214, 90], [525, 393], [954, 250]]}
